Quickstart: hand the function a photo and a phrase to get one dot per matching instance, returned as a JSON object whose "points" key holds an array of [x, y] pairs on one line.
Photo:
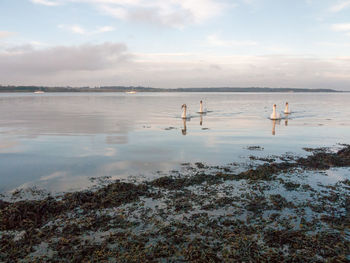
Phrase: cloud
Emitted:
{"points": [[5, 34], [344, 27], [105, 29], [340, 6], [216, 41], [334, 44], [28, 60], [173, 13], [77, 29], [112, 64], [46, 2], [248, 2], [274, 71], [74, 29], [341, 27], [151, 15]]}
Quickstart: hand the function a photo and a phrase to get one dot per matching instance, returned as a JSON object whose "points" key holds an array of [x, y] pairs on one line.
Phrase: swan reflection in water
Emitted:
{"points": [[184, 130], [278, 122], [274, 122]]}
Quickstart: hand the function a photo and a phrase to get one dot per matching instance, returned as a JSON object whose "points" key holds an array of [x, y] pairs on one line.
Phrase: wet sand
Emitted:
{"points": [[283, 208]]}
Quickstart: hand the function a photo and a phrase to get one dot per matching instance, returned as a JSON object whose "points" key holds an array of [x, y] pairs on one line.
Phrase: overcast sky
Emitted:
{"points": [[176, 43]]}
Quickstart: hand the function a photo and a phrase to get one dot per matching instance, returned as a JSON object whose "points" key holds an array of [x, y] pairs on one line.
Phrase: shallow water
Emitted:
{"points": [[58, 141]]}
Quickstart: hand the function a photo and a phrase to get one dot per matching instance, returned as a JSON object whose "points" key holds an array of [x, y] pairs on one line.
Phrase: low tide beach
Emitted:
{"points": [[283, 209]]}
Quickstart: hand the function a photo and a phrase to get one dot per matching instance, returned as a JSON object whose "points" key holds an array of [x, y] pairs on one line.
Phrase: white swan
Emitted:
{"points": [[286, 109], [184, 115], [201, 109], [275, 115]]}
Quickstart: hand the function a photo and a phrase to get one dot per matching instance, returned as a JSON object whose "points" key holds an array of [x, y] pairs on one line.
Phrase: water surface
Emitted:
{"points": [[58, 141]]}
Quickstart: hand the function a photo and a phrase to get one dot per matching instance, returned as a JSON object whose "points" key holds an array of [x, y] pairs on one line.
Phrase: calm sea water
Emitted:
{"points": [[58, 141]]}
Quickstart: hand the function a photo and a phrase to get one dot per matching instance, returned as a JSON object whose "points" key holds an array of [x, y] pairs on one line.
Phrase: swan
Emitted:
{"points": [[183, 115], [286, 109], [201, 109], [275, 115]]}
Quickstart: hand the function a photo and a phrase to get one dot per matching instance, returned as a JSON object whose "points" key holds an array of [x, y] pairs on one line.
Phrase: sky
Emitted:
{"points": [[176, 43]]}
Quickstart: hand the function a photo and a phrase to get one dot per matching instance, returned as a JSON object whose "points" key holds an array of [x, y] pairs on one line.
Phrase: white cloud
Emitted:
{"points": [[4, 34], [74, 29], [334, 44], [152, 15], [216, 41], [105, 29], [46, 2], [341, 27], [77, 29], [340, 6], [202, 9], [174, 13]]}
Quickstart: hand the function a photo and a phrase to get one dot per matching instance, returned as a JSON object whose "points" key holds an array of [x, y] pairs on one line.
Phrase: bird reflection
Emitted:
{"points": [[286, 122], [184, 130], [274, 122], [201, 120]]}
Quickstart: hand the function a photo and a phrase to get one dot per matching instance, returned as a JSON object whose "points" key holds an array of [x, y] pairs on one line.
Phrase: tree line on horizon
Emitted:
{"points": [[150, 89]]}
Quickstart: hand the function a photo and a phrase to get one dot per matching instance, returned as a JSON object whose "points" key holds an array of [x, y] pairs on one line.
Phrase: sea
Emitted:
{"points": [[62, 142]]}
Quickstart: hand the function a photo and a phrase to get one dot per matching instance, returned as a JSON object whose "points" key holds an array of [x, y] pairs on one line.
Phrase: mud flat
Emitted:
{"points": [[290, 209]]}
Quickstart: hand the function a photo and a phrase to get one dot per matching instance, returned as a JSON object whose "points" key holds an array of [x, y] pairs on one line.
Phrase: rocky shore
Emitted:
{"points": [[285, 209]]}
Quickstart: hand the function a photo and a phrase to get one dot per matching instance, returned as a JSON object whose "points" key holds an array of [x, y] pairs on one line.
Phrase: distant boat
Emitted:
{"points": [[39, 92], [131, 92]]}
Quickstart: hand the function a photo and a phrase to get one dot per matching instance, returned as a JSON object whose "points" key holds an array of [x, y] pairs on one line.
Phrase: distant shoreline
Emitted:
{"points": [[31, 89]]}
